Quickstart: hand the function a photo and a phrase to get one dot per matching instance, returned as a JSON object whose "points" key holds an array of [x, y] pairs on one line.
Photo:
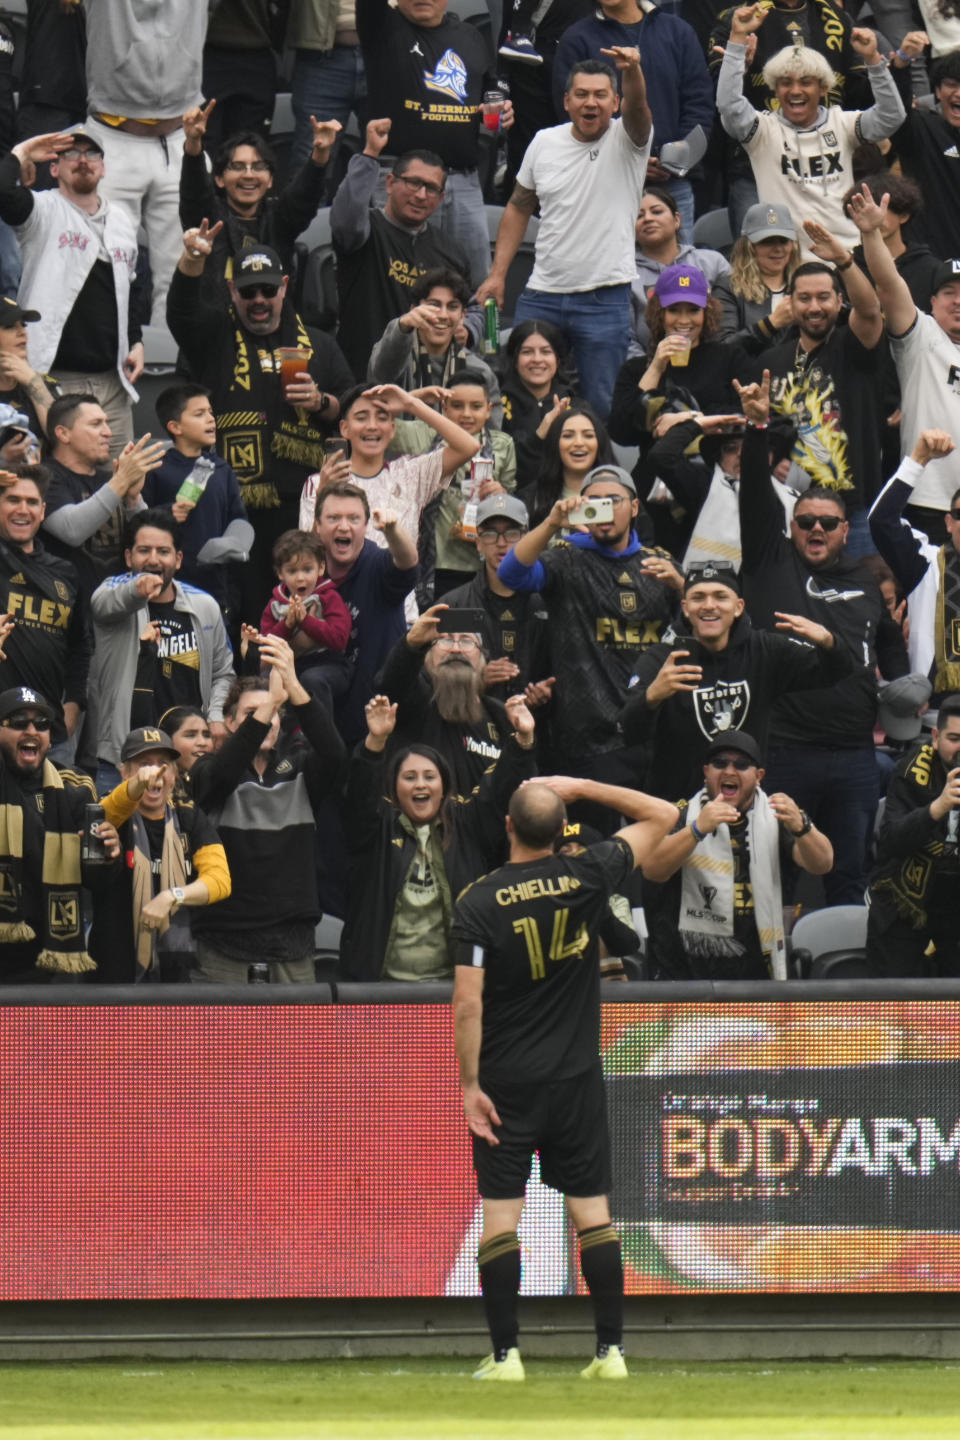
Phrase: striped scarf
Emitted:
{"points": [[62, 939], [173, 871], [947, 623]]}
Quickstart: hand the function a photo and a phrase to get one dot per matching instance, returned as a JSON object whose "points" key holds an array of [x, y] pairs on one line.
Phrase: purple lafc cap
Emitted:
{"points": [[682, 284]]}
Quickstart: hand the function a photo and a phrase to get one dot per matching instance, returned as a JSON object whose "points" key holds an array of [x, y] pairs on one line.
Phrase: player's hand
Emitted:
{"points": [[715, 813], [481, 1114], [673, 678], [565, 787]]}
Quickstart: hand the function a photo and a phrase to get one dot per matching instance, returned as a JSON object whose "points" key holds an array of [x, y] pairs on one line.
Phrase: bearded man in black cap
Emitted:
{"points": [[271, 427], [712, 892]]}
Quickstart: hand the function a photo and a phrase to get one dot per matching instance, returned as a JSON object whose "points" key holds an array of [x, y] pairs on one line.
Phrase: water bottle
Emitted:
{"points": [[491, 327], [196, 482]]}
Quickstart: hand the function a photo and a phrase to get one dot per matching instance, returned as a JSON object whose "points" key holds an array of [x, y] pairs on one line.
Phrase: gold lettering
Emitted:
{"points": [[683, 1148]]}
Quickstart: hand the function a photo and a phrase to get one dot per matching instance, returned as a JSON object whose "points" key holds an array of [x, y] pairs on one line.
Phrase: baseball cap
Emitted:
{"points": [[21, 697], [261, 266], [502, 507], [739, 741], [682, 285], [712, 572], [78, 133], [146, 738], [11, 313], [616, 473], [763, 222], [899, 704], [947, 274]]}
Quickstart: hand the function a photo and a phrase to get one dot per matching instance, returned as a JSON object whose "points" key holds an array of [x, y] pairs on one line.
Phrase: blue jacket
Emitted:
{"points": [[679, 88]]}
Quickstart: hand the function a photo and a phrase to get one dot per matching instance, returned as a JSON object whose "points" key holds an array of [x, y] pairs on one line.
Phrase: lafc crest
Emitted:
{"points": [[721, 707], [628, 601]]}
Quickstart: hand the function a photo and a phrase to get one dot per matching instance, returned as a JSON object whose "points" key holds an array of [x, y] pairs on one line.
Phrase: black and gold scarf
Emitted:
{"points": [[62, 940], [947, 623]]}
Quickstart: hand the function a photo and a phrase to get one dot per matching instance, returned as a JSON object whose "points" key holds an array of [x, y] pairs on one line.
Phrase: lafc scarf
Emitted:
{"points": [[707, 893], [173, 871], [263, 425], [947, 624], [905, 881], [61, 941]]}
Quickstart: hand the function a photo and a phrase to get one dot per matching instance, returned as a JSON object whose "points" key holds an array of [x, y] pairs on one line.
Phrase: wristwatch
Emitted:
{"points": [[179, 895], [805, 827]]}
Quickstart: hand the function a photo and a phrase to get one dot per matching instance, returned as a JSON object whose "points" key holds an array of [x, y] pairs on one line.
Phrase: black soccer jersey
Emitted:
{"points": [[533, 928]]}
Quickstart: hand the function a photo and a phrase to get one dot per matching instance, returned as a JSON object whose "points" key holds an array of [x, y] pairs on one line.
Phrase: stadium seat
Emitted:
{"points": [[712, 230], [830, 944]]}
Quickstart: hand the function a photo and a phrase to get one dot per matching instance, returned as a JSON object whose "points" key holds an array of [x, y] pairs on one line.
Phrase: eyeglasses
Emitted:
{"points": [[76, 154], [266, 292], [239, 167], [457, 642], [614, 499], [23, 722], [827, 523], [415, 185], [723, 762], [955, 514], [490, 537]]}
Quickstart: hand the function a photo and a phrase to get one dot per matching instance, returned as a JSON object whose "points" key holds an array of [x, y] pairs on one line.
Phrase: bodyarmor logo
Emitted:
{"points": [[721, 707], [449, 78]]}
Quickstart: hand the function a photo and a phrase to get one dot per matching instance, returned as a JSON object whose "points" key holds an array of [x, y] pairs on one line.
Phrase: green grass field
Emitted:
{"points": [[434, 1399]]}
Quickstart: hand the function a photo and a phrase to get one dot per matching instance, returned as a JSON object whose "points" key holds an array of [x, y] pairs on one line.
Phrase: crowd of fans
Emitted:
{"points": [[691, 525]]}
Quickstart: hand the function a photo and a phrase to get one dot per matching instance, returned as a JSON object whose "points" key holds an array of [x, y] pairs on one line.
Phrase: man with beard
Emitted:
{"points": [[821, 742], [79, 262], [712, 895], [437, 681], [42, 809], [194, 662], [914, 926], [272, 433]]}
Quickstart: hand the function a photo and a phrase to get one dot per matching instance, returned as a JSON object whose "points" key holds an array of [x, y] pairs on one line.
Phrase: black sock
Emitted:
{"points": [[602, 1266], [498, 1260]]}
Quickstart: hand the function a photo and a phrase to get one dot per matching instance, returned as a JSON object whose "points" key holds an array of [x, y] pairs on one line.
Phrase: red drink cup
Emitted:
{"points": [[294, 360], [491, 109]]}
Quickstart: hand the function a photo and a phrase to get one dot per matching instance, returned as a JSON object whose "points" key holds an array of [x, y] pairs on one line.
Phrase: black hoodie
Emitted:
{"points": [[844, 597], [739, 687]]}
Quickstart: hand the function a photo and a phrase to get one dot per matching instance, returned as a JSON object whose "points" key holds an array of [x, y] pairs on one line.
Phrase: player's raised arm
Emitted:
{"points": [[652, 818]]}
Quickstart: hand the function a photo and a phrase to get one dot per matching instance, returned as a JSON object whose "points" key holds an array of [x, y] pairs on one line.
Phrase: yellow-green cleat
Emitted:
{"points": [[510, 1368], [611, 1366]]}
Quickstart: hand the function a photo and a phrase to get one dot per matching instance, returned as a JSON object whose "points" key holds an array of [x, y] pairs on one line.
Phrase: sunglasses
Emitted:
{"points": [[723, 762], [266, 292], [23, 722], [955, 514], [827, 523]]}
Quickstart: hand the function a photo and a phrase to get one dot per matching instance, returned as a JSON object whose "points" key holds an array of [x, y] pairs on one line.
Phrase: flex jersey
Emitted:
{"points": [[533, 928]]}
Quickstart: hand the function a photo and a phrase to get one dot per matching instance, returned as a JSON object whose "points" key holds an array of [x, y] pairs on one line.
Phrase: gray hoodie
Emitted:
{"points": [[145, 57]]}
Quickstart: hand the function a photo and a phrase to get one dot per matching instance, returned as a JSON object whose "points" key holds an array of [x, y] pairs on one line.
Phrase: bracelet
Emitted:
{"points": [[698, 835], [900, 55], [846, 265]]}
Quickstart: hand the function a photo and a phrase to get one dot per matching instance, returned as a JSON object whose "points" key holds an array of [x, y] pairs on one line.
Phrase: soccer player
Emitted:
{"points": [[526, 1006]]}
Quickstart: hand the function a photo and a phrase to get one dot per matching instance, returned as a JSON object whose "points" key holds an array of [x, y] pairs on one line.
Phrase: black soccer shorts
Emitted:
{"points": [[565, 1120]]}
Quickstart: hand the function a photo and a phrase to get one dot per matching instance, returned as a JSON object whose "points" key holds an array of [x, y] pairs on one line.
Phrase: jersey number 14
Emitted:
{"points": [[560, 948]]}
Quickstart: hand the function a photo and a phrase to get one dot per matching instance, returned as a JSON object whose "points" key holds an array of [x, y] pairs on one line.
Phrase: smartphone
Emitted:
{"points": [[12, 432], [592, 512], [462, 622], [338, 446]]}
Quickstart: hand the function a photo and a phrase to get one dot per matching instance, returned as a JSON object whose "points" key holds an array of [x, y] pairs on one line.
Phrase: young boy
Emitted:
{"points": [[215, 528], [306, 610], [444, 547]]}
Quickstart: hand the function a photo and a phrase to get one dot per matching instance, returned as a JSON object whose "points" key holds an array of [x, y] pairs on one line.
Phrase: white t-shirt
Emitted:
{"points": [[589, 198], [928, 364]]}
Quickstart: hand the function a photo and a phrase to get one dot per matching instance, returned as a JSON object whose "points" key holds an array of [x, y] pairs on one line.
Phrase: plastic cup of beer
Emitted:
{"points": [[681, 357], [491, 108], [294, 360]]}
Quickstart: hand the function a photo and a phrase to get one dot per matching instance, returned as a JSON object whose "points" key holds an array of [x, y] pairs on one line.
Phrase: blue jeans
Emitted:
{"points": [[461, 218], [839, 790], [11, 265], [597, 323], [859, 540], [329, 84]]}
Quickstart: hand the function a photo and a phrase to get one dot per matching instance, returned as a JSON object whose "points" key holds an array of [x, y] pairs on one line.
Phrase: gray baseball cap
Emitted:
{"points": [[609, 472], [763, 222], [502, 507]]}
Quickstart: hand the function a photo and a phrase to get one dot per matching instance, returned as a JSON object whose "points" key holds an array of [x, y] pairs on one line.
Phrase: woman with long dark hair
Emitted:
{"points": [[658, 247], [538, 382], [576, 441], [414, 845]]}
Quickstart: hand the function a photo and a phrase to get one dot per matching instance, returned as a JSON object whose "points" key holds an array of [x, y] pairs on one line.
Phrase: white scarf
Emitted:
{"points": [[706, 899], [716, 530]]}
